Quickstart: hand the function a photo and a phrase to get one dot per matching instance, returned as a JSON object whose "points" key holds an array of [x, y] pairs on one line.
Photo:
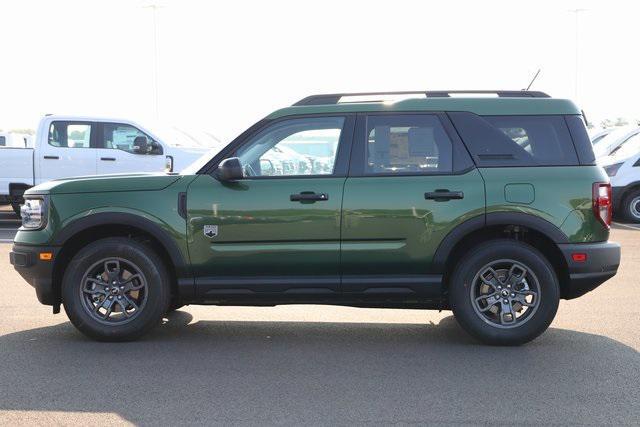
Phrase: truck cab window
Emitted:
{"points": [[128, 138]]}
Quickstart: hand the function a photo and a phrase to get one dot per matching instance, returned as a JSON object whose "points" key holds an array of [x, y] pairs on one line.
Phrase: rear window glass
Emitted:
{"points": [[516, 140]]}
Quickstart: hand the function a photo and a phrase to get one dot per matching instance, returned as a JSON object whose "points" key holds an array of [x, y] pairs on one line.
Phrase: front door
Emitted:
{"points": [[124, 148], [278, 229], [410, 184]]}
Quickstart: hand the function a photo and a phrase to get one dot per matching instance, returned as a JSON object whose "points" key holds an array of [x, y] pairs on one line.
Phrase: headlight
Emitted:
{"points": [[34, 213], [612, 170]]}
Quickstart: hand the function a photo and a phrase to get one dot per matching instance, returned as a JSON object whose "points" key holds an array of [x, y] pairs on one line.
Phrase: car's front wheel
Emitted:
{"points": [[504, 292], [115, 289]]}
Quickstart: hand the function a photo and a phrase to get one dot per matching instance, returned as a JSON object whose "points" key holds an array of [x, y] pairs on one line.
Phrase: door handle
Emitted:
{"points": [[308, 196], [51, 157], [443, 195], [110, 159]]}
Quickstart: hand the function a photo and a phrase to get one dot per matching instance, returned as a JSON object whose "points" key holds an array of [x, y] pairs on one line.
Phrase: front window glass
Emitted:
{"points": [[128, 138], [293, 148]]}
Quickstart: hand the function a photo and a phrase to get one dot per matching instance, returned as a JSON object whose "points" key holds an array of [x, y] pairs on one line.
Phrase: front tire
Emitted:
{"points": [[631, 206], [115, 289], [504, 292]]}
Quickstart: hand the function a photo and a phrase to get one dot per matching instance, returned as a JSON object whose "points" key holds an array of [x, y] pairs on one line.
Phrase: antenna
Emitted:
{"points": [[533, 79]]}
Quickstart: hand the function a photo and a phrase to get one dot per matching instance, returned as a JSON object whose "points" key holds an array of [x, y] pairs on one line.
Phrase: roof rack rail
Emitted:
{"points": [[334, 98]]}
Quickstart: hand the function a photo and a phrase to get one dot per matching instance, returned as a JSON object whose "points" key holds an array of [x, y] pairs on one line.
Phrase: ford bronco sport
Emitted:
{"points": [[491, 206]]}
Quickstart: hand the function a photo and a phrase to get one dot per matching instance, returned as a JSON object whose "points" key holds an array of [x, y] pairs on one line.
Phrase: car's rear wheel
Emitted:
{"points": [[631, 206], [504, 292], [115, 289]]}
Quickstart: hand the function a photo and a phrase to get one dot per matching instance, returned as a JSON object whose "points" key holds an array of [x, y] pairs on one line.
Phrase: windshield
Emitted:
{"points": [[180, 137], [606, 144], [199, 163], [628, 148]]}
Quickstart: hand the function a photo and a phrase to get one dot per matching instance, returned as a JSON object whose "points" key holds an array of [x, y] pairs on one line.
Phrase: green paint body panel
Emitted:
{"points": [[389, 227], [260, 231], [563, 197], [480, 106]]}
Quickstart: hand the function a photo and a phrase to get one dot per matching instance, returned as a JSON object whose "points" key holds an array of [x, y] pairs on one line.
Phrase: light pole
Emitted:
{"points": [[154, 9], [576, 13]]}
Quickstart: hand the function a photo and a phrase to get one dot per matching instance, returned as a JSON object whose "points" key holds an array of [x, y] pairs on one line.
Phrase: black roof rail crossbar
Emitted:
{"points": [[334, 98]]}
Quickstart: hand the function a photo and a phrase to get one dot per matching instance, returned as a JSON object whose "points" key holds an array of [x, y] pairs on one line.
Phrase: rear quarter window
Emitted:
{"points": [[503, 141]]}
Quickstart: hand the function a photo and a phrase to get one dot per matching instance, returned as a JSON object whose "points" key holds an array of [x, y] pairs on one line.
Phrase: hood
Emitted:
{"points": [[106, 183]]}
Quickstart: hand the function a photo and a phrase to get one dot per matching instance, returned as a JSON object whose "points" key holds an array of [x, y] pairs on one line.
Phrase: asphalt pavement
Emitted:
{"points": [[315, 365]]}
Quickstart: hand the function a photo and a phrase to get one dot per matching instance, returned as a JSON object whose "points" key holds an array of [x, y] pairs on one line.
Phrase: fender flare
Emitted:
{"points": [[494, 218], [127, 219]]}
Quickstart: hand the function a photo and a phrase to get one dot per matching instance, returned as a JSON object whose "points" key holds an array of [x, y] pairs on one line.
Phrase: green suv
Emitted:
{"points": [[490, 206]]}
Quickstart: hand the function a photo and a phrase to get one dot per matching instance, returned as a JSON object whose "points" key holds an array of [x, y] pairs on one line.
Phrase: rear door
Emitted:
{"points": [[70, 150], [411, 182]]}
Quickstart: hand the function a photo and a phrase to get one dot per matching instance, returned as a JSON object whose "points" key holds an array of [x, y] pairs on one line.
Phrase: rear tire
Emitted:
{"points": [[115, 289], [631, 206], [504, 292]]}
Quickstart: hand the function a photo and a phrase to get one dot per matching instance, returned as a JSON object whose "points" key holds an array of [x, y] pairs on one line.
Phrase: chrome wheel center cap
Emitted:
{"points": [[505, 293]]}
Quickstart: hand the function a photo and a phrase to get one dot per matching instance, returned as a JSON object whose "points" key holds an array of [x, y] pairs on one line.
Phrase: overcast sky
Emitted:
{"points": [[224, 65]]}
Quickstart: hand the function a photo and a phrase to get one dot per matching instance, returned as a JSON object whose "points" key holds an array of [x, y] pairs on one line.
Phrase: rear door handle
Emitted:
{"points": [[51, 157], [109, 159], [443, 195], [308, 196]]}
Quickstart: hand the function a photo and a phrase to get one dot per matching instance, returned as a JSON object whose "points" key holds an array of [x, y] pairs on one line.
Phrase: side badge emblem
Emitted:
{"points": [[210, 231]]}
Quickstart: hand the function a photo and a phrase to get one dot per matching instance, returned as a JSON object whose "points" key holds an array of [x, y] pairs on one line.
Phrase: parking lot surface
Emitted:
{"points": [[319, 365]]}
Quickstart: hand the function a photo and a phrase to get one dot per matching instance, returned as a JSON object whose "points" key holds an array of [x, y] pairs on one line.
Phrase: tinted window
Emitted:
{"points": [[3, 141], [293, 147], [398, 144], [70, 135], [128, 138], [516, 140]]}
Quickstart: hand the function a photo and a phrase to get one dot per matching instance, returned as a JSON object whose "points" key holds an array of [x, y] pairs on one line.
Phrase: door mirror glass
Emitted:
{"points": [[141, 145], [229, 170], [128, 138]]}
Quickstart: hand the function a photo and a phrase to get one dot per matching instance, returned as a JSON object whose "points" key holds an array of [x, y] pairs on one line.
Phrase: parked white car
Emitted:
{"points": [[623, 168], [67, 146], [609, 143]]}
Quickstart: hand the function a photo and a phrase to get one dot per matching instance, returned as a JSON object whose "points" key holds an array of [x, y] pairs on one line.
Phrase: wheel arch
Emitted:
{"points": [[533, 230], [82, 231]]}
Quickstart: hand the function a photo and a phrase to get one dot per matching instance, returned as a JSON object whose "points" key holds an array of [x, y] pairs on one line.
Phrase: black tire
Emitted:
{"points": [[466, 279], [174, 305], [153, 281], [631, 206]]}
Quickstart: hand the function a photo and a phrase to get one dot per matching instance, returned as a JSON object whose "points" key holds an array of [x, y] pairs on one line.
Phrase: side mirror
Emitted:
{"points": [[229, 170], [140, 145]]}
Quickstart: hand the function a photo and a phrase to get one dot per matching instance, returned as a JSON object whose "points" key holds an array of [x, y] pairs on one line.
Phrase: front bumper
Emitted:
{"points": [[601, 264], [38, 273]]}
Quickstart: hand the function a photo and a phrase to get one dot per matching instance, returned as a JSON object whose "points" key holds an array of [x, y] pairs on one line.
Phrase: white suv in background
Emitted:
{"points": [[623, 168]]}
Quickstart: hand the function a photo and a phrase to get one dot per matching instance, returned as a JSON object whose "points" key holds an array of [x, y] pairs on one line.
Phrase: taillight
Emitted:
{"points": [[602, 206]]}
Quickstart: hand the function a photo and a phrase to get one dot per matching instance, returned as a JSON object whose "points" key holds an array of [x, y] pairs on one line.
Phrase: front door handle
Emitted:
{"points": [[51, 157], [309, 196], [109, 159], [443, 195]]}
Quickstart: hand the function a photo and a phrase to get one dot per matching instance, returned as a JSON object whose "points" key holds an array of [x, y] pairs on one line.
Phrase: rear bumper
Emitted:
{"points": [[39, 274], [601, 264]]}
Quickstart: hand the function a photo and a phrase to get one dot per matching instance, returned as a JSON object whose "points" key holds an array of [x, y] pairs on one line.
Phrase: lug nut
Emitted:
{"points": [[505, 301], [122, 288], [119, 296], [114, 282], [110, 297], [513, 295]]}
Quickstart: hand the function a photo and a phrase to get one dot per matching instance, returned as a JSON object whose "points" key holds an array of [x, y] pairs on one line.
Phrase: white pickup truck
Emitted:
{"points": [[67, 146]]}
